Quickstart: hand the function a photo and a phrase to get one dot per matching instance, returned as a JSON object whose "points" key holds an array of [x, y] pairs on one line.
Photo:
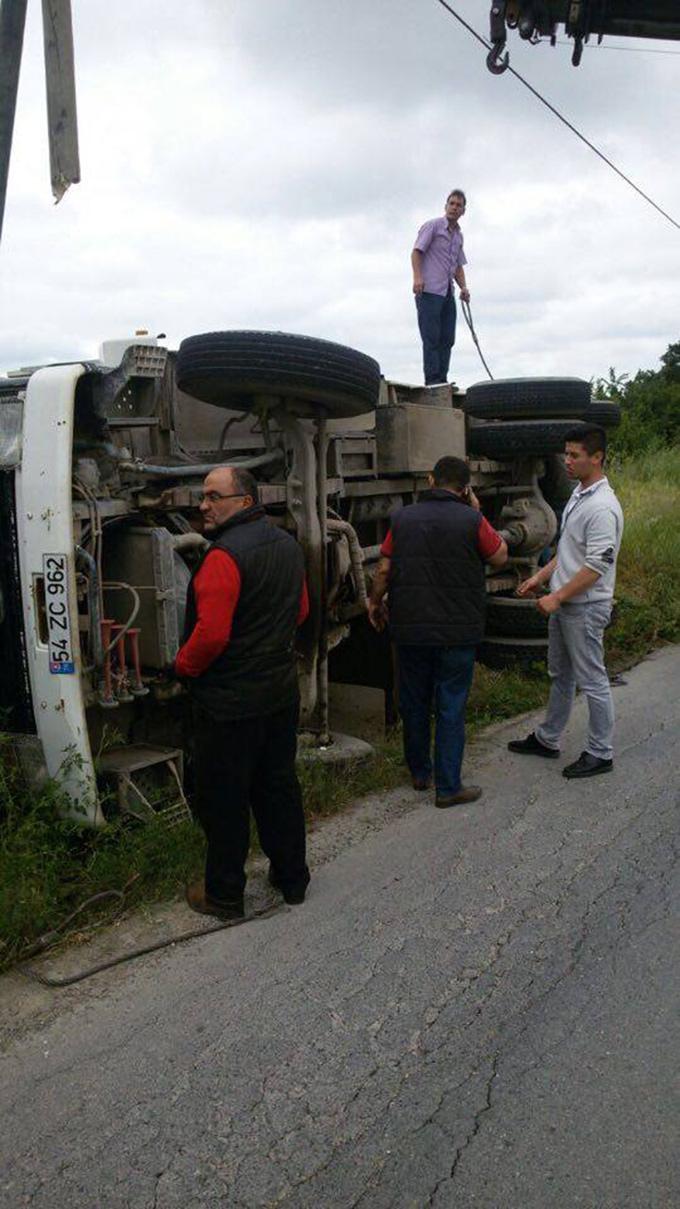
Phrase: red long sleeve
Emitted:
{"points": [[217, 587]]}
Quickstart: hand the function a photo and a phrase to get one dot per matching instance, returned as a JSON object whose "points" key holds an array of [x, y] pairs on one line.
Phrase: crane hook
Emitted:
{"points": [[496, 61]]}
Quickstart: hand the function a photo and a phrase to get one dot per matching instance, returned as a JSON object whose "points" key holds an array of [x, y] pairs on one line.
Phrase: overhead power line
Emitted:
{"points": [[562, 119]]}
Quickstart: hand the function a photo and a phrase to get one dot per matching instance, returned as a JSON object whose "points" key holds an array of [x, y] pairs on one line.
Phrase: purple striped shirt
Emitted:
{"points": [[443, 253]]}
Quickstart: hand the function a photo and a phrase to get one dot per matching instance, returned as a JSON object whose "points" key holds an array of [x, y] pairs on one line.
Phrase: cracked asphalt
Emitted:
{"points": [[475, 1007]]}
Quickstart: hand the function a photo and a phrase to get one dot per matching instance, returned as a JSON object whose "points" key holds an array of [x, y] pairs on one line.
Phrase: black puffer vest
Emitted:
{"points": [[436, 589], [256, 674]]}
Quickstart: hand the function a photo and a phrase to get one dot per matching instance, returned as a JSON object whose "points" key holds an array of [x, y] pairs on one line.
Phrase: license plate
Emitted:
{"points": [[55, 573]]}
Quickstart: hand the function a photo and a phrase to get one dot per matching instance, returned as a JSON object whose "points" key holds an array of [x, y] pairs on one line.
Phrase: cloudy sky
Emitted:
{"points": [[266, 165]]}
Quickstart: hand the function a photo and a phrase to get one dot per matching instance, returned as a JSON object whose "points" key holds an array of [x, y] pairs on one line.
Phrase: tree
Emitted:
{"points": [[650, 405]]}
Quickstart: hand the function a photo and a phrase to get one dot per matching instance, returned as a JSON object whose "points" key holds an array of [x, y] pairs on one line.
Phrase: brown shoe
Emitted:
{"points": [[465, 794], [421, 783], [201, 902]]}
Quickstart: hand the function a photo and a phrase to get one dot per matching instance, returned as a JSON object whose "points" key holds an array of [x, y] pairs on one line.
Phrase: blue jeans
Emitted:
{"points": [[439, 676], [437, 325]]}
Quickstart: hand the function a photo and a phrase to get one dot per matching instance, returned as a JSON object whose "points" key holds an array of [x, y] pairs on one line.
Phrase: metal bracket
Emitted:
{"points": [[497, 61]]}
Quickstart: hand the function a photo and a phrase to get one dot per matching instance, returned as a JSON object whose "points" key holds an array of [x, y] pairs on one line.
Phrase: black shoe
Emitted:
{"points": [[587, 766], [293, 895], [531, 746]]}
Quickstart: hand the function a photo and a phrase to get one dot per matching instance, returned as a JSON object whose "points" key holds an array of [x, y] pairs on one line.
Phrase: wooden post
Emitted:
{"points": [[12, 22], [62, 126]]}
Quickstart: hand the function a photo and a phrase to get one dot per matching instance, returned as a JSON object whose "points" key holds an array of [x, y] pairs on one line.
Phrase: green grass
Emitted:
{"points": [[648, 577], [49, 865]]}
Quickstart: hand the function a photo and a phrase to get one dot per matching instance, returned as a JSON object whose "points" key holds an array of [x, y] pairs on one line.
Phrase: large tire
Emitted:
{"points": [[604, 413], [511, 617], [512, 652], [230, 369], [521, 438], [528, 399]]}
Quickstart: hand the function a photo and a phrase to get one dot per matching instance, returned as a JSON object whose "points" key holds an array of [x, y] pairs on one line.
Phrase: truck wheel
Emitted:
{"points": [[604, 413], [520, 438], [230, 369], [528, 398], [510, 617], [502, 653]]}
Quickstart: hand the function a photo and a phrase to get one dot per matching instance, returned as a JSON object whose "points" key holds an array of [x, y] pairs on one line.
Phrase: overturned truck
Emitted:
{"points": [[101, 469]]}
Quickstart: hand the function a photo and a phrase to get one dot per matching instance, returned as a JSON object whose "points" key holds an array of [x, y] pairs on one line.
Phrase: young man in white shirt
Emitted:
{"points": [[582, 576]]}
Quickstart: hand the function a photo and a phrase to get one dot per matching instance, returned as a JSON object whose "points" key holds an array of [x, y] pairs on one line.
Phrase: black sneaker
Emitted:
{"points": [[531, 746], [587, 766]]}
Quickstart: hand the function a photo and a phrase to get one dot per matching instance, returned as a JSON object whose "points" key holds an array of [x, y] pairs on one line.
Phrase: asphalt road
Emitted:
{"points": [[474, 1008]]}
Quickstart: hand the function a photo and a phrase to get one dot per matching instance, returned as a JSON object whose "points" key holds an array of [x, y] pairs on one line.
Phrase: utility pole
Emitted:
{"points": [[12, 22]]}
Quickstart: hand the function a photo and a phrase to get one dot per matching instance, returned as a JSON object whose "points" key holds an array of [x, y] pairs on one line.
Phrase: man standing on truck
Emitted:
{"points": [[432, 565], [438, 260], [244, 602], [579, 605]]}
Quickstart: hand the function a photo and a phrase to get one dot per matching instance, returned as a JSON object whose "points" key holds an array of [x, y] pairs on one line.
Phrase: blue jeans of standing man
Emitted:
{"points": [[437, 325], [438, 676], [576, 659]]}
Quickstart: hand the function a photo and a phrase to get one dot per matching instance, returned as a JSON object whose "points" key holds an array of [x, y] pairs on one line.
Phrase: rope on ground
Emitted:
{"points": [[196, 933]]}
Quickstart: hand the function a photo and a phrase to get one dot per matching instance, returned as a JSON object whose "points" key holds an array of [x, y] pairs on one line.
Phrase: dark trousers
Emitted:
{"points": [[245, 764], [436, 677], [437, 325]]}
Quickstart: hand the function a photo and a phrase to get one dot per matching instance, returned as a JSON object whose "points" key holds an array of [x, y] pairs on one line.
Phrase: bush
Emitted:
{"points": [[650, 406]]}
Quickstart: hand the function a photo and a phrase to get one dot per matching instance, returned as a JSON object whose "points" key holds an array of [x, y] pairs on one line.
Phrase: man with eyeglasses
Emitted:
{"points": [[244, 603]]}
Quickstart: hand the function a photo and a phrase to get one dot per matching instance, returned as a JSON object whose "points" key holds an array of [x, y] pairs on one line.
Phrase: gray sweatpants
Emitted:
{"points": [[576, 660]]}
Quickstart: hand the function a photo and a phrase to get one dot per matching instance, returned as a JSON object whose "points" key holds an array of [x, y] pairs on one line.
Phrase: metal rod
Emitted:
{"points": [[12, 22], [301, 501], [122, 688], [322, 505], [138, 688], [107, 698]]}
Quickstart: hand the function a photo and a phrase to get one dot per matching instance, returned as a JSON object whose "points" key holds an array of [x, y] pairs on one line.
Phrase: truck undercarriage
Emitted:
{"points": [[101, 469]]}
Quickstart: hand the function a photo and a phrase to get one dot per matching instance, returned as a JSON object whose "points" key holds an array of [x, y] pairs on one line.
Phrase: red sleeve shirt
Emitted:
{"points": [[387, 548], [217, 587], [488, 541]]}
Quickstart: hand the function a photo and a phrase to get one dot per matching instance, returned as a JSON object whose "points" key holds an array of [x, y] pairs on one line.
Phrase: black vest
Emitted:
{"points": [[256, 673], [437, 593]]}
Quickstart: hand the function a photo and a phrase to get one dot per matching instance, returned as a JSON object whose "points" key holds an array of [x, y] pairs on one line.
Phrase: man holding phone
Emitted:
{"points": [[581, 576], [432, 565]]}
